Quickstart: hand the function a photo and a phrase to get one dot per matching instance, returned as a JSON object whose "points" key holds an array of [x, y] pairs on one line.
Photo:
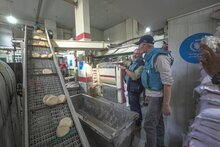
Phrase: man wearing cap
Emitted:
{"points": [[133, 81], [157, 80]]}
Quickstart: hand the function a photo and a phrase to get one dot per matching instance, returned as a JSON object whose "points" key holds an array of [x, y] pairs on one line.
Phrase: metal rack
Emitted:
{"points": [[41, 121]]}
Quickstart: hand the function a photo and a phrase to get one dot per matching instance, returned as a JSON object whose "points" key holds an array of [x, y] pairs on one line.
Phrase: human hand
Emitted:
{"points": [[210, 60], [166, 109], [146, 98]]}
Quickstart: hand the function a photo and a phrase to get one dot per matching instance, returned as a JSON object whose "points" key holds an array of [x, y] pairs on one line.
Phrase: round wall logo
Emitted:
{"points": [[189, 49]]}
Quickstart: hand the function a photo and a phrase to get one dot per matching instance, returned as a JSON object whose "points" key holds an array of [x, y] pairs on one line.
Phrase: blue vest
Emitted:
{"points": [[150, 78], [134, 85]]}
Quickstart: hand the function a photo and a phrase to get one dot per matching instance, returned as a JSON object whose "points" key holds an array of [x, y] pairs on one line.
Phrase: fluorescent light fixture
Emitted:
{"points": [[147, 30], [11, 19]]}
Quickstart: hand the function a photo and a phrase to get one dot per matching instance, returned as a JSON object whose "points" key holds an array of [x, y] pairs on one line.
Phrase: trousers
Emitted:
{"points": [[135, 106], [153, 124]]}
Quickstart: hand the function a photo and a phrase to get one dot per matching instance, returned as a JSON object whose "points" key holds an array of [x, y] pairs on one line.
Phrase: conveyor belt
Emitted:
{"points": [[41, 120]]}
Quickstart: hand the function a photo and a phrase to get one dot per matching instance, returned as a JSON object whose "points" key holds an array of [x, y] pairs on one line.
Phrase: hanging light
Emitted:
{"points": [[11, 19], [147, 30]]}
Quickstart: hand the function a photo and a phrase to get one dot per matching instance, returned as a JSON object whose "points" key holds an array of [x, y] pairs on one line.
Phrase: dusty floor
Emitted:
{"points": [[140, 137]]}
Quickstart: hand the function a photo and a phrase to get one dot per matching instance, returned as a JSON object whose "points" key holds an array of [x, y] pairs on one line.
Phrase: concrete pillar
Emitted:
{"points": [[51, 25], [82, 23], [131, 28]]}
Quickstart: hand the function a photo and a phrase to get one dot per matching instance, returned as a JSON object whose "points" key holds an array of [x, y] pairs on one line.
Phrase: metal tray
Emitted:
{"points": [[105, 123]]}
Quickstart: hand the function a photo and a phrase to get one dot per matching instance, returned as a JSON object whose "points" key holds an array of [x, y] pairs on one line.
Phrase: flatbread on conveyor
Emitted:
{"points": [[66, 121], [46, 97], [43, 38], [39, 31], [64, 126], [36, 37], [62, 131], [47, 71], [61, 98], [50, 55], [41, 43], [35, 55], [51, 101], [43, 56]]}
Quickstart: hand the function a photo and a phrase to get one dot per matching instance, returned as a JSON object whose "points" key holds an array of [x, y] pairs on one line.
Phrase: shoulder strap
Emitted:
{"points": [[138, 63], [171, 58], [157, 52]]}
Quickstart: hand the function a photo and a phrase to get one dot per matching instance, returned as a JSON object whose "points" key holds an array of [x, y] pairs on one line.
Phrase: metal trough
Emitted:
{"points": [[105, 123]]}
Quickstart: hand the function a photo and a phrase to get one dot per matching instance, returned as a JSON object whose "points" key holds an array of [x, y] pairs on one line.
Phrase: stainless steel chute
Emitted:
{"points": [[105, 123]]}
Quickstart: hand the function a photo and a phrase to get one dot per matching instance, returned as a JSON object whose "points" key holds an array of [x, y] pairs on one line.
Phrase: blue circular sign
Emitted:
{"points": [[189, 49]]}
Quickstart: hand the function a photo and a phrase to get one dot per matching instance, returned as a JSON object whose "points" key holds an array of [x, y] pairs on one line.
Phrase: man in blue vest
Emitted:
{"points": [[157, 80], [133, 81]]}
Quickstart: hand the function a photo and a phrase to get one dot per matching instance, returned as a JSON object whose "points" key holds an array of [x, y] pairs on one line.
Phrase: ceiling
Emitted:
{"points": [[154, 13], [104, 13]]}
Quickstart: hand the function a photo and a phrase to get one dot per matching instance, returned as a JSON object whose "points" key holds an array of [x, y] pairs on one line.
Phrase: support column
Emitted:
{"points": [[51, 25], [82, 23], [131, 28]]}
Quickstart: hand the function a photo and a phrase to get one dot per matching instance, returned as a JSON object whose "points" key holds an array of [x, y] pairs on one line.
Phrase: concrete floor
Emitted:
{"points": [[140, 137]]}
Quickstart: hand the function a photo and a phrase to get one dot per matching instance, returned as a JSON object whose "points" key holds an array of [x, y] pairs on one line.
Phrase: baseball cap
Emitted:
{"points": [[145, 39]]}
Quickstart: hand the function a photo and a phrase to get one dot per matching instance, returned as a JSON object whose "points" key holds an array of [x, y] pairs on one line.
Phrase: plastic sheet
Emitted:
{"points": [[208, 87]]}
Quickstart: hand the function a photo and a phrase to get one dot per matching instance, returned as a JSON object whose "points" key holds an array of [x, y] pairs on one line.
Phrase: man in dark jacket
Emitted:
{"points": [[133, 81]]}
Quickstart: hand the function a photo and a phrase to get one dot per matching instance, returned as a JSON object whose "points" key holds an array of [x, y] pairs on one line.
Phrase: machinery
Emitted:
{"points": [[10, 127], [105, 123], [41, 121], [111, 79]]}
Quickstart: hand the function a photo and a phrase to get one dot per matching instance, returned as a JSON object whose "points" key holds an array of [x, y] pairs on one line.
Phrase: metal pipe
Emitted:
{"points": [[24, 65], [38, 11]]}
